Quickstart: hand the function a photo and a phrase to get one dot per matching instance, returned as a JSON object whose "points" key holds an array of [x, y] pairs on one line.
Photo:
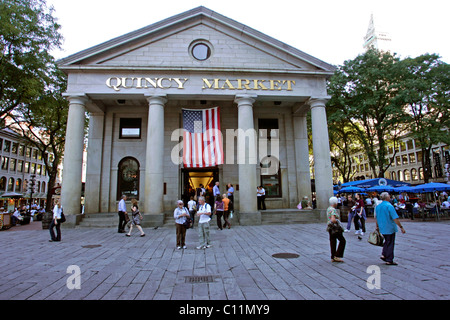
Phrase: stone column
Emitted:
{"points": [[154, 178], [94, 163], [247, 161], [73, 158], [322, 159], [302, 156]]}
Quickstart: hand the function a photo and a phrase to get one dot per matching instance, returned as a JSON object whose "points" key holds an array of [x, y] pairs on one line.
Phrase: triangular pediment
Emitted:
{"points": [[167, 44]]}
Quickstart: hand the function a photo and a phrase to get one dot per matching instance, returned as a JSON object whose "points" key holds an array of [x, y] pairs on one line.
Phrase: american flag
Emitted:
{"points": [[202, 138]]}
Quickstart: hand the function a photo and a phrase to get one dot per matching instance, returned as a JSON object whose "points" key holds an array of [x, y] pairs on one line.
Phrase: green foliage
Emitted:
{"points": [[28, 32]]}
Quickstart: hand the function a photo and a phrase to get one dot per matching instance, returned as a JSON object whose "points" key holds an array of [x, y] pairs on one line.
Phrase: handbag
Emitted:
{"points": [[63, 217], [376, 238], [188, 223], [335, 228]]}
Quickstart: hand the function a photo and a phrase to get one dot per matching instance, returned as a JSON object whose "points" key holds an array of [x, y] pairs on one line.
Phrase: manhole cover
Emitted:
{"points": [[285, 255], [199, 279], [92, 246]]}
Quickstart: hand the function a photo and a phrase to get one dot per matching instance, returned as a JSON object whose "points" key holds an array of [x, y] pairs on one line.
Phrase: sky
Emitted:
{"points": [[330, 30]]}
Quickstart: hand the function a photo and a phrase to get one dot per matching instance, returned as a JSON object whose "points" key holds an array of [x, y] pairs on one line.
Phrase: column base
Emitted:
{"points": [[72, 220], [250, 218], [152, 220]]}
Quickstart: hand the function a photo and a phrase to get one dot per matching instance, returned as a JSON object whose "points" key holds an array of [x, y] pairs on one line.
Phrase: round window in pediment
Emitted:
{"points": [[200, 50]]}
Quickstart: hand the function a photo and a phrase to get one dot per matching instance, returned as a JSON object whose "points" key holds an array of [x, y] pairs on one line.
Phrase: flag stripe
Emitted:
{"points": [[202, 145]]}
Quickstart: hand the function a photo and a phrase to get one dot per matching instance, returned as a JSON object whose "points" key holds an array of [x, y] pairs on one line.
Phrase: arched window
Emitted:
{"points": [[128, 178], [393, 175], [414, 175], [407, 175], [420, 173], [11, 184], [19, 185], [25, 186], [400, 175], [3, 184], [43, 187]]}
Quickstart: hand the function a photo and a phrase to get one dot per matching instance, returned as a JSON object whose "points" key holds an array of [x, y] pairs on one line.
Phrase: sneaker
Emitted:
{"points": [[184, 247], [336, 259], [362, 233], [208, 246], [358, 232], [200, 247], [178, 248], [346, 230]]}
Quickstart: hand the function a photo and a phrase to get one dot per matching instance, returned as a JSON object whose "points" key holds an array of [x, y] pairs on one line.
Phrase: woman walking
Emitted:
{"points": [[335, 230], [360, 215], [180, 213], [55, 223], [219, 208], [136, 218]]}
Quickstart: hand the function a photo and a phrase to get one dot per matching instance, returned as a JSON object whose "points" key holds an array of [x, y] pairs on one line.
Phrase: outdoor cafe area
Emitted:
{"points": [[426, 201]]}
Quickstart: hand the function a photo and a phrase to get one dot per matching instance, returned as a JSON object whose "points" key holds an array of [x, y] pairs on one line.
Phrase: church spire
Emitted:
{"points": [[376, 39]]}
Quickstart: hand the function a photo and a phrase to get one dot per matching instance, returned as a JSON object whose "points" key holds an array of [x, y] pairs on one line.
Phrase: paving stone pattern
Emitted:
{"points": [[240, 263]]}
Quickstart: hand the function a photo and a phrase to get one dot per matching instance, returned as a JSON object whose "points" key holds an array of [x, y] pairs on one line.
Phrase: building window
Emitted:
{"points": [[200, 50], [414, 175], [271, 177], [393, 175], [128, 178], [3, 184], [404, 159], [412, 158], [420, 173], [130, 128], [11, 184], [407, 175], [5, 163], [19, 185], [7, 146]]}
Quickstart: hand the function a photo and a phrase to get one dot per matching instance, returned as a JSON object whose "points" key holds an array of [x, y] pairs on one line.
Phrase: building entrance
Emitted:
{"points": [[192, 178]]}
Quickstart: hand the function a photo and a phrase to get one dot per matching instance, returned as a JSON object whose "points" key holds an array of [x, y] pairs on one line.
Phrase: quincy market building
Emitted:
{"points": [[134, 88]]}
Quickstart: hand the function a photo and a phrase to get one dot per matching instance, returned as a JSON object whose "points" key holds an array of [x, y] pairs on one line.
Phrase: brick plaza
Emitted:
{"points": [[240, 265]]}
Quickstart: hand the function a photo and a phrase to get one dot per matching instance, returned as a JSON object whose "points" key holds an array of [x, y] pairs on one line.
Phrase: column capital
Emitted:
{"points": [[156, 99], [80, 98], [318, 101], [245, 99]]}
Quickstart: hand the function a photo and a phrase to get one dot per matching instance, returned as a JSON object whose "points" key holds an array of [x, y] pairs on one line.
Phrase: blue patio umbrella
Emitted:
{"points": [[405, 189], [351, 190], [431, 187], [382, 189]]}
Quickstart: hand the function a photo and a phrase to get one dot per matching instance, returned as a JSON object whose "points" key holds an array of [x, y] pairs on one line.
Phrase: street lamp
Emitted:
{"points": [[32, 184]]}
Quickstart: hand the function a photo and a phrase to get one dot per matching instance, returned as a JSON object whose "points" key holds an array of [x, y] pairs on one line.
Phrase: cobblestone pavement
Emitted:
{"points": [[240, 262]]}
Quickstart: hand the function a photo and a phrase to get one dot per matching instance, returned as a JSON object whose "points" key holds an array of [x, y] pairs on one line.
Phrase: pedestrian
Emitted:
{"points": [[230, 195], [204, 214], [216, 190], [360, 215], [335, 231], [219, 209], [261, 196], [180, 213], [192, 206], [122, 212], [136, 218], [351, 213], [387, 222], [226, 210], [55, 223]]}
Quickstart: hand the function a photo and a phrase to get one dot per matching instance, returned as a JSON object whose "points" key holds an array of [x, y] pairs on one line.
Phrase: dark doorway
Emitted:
{"points": [[191, 178]]}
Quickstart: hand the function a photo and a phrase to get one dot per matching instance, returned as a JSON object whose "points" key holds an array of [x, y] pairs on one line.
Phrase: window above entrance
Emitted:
{"points": [[200, 50]]}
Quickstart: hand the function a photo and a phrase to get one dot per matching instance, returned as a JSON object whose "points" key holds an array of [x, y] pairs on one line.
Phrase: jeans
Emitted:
{"points": [[181, 234], [219, 215], [388, 247], [58, 231], [351, 214], [340, 250], [203, 233], [363, 219]]}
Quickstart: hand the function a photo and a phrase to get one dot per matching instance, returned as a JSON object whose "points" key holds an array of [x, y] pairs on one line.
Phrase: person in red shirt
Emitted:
{"points": [[360, 215]]}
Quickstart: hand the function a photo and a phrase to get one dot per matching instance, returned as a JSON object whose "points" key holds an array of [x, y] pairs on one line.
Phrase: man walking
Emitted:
{"points": [[122, 212], [387, 222], [216, 190], [204, 214]]}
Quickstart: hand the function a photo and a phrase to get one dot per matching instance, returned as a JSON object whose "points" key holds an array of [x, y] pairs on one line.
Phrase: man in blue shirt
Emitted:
{"points": [[387, 222]]}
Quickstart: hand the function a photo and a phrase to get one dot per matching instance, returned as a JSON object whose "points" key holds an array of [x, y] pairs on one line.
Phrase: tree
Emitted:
{"points": [[425, 91], [28, 32], [363, 90], [43, 124]]}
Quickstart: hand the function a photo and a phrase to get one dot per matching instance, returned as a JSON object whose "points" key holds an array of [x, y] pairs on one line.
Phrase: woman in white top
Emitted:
{"points": [[56, 216]]}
